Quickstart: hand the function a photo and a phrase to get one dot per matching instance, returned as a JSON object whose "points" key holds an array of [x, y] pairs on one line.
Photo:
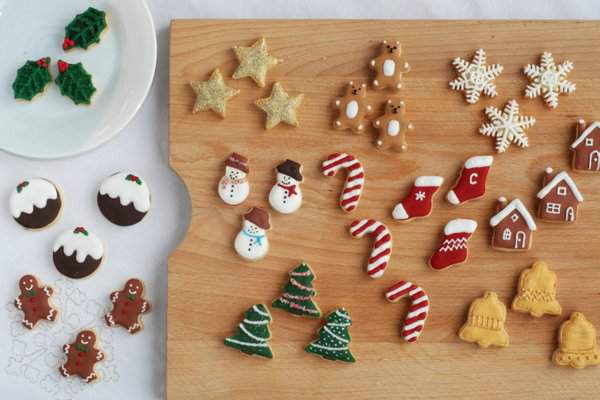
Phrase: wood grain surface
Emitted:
{"points": [[210, 286]]}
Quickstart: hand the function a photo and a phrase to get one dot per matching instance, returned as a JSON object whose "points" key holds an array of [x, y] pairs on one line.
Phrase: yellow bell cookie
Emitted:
{"points": [[485, 322], [576, 343], [537, 292]]}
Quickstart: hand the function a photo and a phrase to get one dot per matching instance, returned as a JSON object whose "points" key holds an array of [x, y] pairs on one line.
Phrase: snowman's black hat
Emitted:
{"points": [[291, 168]]}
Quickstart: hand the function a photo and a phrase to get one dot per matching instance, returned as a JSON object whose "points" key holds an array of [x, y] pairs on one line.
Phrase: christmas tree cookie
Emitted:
{"points": [[298, 293], [85, 29], [32, 79], [253, 332], [75, 82], [334, 338]]}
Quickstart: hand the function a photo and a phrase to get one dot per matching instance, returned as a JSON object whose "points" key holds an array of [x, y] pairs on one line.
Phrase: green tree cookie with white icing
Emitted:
{"points": [[298, 293], [253, 332], [334, 338], [32, 79], [75, 82], [85, 29]]}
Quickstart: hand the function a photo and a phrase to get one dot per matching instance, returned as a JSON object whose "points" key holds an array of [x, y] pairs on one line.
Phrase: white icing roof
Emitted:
{"points": [[584, 134], [71, 242], [127, 191], [563, 176], [37, 193], [516, 204]]}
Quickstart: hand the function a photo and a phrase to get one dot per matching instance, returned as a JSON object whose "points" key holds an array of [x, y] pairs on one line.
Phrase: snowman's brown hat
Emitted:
{"points": [[259, 217], [238, 161], [291, 168]]}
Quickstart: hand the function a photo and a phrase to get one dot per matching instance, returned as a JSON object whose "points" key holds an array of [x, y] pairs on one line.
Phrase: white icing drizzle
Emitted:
{"points": [[37, 193], [83, 245], [127, 191]]}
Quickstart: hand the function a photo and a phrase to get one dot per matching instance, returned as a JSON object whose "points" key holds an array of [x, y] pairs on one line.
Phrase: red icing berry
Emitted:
{"points": [[68, 43], [42, 62], [63, 66]]}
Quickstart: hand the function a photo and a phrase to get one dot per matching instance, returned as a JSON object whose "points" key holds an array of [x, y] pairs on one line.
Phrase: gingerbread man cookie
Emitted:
{"points": [[34, 301], [387, 66], [82, 357], [353, 108], [392, 127], [128, 307]]}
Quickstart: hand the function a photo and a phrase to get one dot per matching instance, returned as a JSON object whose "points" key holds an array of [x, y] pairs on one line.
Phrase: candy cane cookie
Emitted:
{"points": [[417, 311], [382, 246], [355, 180]]}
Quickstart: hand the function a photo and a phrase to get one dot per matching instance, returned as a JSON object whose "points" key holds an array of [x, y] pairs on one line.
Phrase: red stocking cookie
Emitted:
{"points": [[417, 311], [418, 202], [128, 307], [353, 108], [34, 301], [388, 67], [453, 250], [382, 246], [82, 357], [471, 182]]}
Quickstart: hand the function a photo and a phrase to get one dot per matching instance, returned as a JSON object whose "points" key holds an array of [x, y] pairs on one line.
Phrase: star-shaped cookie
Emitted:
{"points": [[212, 94], [280, 107], [255, 61]]}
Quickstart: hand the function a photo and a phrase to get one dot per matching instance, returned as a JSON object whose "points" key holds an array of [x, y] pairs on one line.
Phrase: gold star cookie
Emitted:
{"points": [[255, 61], [280, 107], [212, 94]]}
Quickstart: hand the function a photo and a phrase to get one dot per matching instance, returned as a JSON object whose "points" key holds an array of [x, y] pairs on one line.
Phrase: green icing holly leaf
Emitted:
{"points": [[32, 79], [75, 82], [85, 29]]}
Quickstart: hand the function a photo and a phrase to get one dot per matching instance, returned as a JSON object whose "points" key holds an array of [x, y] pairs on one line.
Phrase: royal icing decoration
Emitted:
{"points": [[471, 181], [85, 29], [35, 203], [548, 79], [32, 79], [212, 94], [392, 127], [382, 244], [253, 332], [476, 77], [251, 243], [387, 66], [82, 357], [586, 147], [418, 203], [34, 302], [285, 195], [280, 107], [233, 187], [353, 108], [128, 305], [75, 82], [485, 323], [124, 198], [513, 226], [577, 343], [298, 293], [334, 339], [559, 198], [507, 126], [453, 249], [414, 322], [254, 61], [77, 253], [355, 179], [536, 294]]}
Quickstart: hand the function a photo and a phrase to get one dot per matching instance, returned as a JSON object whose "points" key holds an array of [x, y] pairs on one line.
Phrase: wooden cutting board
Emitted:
{"points": [[210, 287]]}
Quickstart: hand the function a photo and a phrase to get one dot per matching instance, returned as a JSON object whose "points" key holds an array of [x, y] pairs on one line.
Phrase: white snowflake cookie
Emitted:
{"points": [[476, 77], [507, 126], [548, 79]]}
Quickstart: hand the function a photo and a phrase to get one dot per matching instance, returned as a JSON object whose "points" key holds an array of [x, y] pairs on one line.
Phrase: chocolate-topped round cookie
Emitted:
{"points": [[35, 203], [124, 198], [77, 253]]}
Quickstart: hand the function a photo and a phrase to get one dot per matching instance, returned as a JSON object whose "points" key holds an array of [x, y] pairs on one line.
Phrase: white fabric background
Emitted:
{"points": [[135, 366]]}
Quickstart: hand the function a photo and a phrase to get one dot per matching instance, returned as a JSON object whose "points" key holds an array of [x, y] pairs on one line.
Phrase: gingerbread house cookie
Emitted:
{"points": [[586, 147], [513, 226], [559, 197]]}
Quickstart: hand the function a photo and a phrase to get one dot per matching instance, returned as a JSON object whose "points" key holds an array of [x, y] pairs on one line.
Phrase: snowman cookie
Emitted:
{"points": [[353, 108], [82, 356], [128, 307], [35, 203], [34, 301], [387, 66], [286, 196], [124, 198], [234, 187], [77, 253], [392, 127], [251, 243]]}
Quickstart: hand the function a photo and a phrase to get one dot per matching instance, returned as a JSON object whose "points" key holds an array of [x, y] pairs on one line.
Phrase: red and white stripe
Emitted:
{"points": [[355, 180], [382, 246], [417, 312]]}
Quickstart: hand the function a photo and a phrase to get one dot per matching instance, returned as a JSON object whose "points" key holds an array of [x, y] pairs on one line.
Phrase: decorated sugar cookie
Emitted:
{"points": [[485, 323], [85, 29], [577, 343], [586, 147], [414, 322], [128, 307], [233, 187], [334, 339], [298, 293], [34, 301], [353, 108], [355, 180], [82, 356], [35, 203], [251, 243], [476, 77], [548, 79], [472, 179], [75, 82], [387, 66], [212, 94], [537, 292], [32, 79], [392, 127], [559, 198], [254, 62], [286, 196], [453, 250], [77, 253], [418, 203], [507, 126], [280, 107], [381, 251], [513, 226], [124, 198], [253, 333]]}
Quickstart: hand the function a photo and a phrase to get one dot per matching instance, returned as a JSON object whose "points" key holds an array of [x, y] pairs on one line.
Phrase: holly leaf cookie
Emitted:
{"points": [[280, 107], [255, 61], [85, 29], [32, 79], [212, 94], [75, 82]]}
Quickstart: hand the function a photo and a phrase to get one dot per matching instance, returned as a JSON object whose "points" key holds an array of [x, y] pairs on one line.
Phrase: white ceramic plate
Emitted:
{"points": [[122, 66]]}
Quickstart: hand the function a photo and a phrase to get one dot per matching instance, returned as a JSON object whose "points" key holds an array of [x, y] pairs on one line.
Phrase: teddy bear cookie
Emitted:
{"points": [[537, 292], [485, 323], [285, 195], [82, 357], [251, 243], [34, 301], [77, 253], [32, 79], [353, 108], [124, 198], [35, 203], [85, 29], [233, 187], [392, 127], [577, 343], [128, 306], [387, 66]]}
